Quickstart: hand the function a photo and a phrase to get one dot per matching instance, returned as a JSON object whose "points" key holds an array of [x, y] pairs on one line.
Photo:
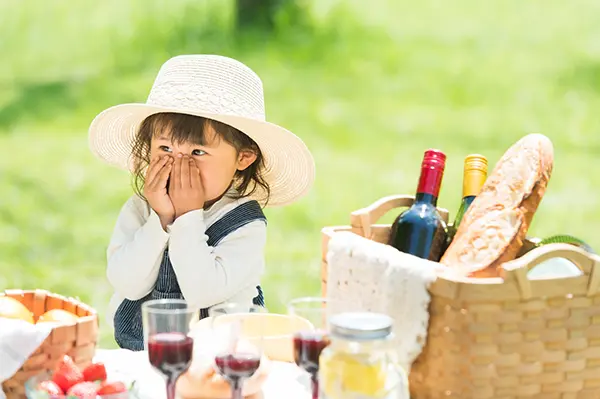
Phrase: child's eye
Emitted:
{"points": [[164, 148], [198, 152]]}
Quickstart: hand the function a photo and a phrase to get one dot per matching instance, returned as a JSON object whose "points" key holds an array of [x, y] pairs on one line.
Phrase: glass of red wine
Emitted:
{"points": [[166, 327], [238, 332], [309, 341]]}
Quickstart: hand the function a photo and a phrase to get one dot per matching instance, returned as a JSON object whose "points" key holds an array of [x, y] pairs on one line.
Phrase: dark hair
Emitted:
{"points": [[189, 128]]}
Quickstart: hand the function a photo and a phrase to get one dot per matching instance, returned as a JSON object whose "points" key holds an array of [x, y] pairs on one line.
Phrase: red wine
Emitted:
{"points": [[170, 353], [420, 230], [237, 366], [307, 349]]}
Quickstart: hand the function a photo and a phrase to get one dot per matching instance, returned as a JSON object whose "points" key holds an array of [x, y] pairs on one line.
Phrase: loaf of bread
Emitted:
{"points": [[493, 229]]}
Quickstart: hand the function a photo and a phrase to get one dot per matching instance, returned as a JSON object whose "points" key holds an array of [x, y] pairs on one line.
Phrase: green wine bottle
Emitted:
{"points": [[474, 175]]}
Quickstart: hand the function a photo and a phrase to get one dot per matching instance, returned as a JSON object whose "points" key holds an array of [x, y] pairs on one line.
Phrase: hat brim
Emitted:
{"points": [[289, 165]]}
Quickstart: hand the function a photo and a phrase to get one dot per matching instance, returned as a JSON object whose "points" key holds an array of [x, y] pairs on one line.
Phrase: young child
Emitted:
{"points": [[204, 163]]}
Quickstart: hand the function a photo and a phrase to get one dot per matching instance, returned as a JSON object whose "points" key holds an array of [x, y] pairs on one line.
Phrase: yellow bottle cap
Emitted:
{"points": [[474, 175], [476, 162]]}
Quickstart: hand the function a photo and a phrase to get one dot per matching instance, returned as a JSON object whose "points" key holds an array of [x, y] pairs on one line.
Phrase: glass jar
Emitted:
{"points": [[360, 363]]}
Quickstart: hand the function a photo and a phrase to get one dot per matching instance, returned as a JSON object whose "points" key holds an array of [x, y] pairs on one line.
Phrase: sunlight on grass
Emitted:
{"points": [[369, 89]]}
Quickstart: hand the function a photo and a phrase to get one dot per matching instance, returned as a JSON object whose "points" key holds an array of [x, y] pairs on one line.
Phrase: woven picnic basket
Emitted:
{"points": [[502, 338], [77, 340]]}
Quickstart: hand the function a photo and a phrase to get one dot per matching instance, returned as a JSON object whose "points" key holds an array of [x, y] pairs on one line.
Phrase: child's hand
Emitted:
{"points": [[185, 186], [155, 188]]}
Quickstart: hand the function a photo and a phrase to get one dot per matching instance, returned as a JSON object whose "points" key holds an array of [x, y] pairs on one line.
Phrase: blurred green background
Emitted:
{"points": [[368, 87]]}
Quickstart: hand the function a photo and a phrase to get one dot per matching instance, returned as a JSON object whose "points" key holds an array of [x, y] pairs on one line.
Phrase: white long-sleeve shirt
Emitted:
{"points": [[207, 275]]}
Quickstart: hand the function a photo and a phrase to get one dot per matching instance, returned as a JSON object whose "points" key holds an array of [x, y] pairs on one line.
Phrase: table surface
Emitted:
{"points": [[284, 381]]}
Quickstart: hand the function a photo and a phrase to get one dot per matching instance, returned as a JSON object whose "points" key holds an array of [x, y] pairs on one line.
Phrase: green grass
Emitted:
{"points": [[368, 89]]}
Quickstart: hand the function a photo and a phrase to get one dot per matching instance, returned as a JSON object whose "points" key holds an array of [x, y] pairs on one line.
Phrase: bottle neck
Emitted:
{"points": [[430, 182], [473, 180], [464, 205], [426, 198], [468, 200]]}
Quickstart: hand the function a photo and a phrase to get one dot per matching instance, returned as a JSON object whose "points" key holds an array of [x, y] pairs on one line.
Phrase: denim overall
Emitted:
{"points": [[128, 317]]}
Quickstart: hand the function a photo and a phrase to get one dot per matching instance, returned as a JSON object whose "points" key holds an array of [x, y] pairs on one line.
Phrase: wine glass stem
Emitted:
{"points": [[314, 379], [236, 388], [171, 388]]}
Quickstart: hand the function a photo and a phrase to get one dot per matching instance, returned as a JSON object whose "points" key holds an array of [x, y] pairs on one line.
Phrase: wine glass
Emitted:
{"points": [[238, 332], [309, 341], [166, 327]]}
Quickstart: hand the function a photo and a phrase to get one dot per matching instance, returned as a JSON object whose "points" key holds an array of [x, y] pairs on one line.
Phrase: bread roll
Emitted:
{"points": [[207, 383], [202, 381], [493, 229]]}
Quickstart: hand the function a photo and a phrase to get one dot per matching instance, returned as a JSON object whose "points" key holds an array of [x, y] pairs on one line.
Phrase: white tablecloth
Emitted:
{"points": [[285, 380]]}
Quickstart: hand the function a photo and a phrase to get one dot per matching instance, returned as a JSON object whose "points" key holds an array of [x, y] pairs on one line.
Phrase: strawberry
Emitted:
{"points": [[66, 373], [50, 387], [95, 372], [84, 390], [112, 388]]}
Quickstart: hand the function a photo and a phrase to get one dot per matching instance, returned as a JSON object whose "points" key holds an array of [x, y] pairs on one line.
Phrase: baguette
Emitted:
{"points": [[494, 228]]}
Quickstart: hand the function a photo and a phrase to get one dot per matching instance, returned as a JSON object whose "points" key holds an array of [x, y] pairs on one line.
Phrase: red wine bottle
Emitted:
{"points": [[420, 230]]}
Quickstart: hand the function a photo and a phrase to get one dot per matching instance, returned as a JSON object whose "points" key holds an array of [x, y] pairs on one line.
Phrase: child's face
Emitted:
{"points": [[217, 160]]}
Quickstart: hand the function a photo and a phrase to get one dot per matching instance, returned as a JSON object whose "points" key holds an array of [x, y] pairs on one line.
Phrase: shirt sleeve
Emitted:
{"points": [[210, 275], [135, 251]]}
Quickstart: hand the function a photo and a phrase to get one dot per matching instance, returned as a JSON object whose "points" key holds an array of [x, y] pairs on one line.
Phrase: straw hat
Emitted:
{"points": [[218, 88]]}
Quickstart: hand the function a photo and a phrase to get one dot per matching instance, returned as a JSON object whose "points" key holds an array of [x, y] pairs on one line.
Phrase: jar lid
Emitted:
{"points": [[361, 325]]}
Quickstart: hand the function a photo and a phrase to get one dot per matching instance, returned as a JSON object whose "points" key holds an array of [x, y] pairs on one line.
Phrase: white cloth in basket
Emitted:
{"points": [[385, 280], [18, 340]]}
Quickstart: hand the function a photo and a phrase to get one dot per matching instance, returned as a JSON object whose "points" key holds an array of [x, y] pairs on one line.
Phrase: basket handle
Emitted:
{"points": [[588, 263], [364, 218]]}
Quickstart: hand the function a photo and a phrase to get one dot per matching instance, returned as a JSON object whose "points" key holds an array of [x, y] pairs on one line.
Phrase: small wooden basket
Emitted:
{"points": [[503, 338], [77, 339]]}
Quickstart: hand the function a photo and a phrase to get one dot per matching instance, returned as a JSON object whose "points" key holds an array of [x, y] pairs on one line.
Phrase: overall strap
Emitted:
{"points": [[234, 219], [240, 216]]}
